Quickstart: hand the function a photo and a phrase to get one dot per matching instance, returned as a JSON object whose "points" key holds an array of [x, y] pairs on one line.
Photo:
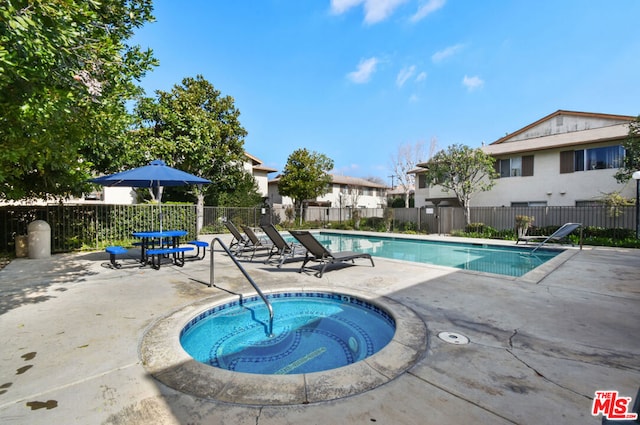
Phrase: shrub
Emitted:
{"points": [[397, 203], [474, 228], [524, 221], [409, 226]]}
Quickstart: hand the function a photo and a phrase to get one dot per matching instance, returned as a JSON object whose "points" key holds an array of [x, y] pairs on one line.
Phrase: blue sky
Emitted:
{"points": [[356, 79]]}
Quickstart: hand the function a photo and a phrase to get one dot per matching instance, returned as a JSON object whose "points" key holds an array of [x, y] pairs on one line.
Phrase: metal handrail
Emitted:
{"points": [[244, 272]]}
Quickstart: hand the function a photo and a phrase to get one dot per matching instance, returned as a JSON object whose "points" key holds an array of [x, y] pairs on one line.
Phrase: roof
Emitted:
{"points": [[254, 160], [596, 135], [264, 168], [257, 164], [600, 128], [337, 179], [399, 190], [592, 115], [355, 181]]}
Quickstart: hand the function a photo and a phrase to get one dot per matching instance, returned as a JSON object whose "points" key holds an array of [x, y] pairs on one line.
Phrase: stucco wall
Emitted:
{"points": [[548, 185], [118, 195]]}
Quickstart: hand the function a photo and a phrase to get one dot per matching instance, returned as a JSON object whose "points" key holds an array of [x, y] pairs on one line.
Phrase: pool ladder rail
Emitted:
{"points": [[246, 275]]}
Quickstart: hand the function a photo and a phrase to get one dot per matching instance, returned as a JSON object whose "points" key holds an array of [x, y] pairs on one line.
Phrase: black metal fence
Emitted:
{"points": [[215, 216], [91, 227]]}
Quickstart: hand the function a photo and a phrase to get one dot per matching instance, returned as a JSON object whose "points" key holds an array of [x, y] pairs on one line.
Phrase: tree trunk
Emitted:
{"points": [[467, 214], [300, 213], [199, 213]]}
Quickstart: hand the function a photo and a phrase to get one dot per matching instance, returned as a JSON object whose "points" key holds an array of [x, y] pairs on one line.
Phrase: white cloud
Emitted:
{"points": [[374, 10], [472, 83], [427, 8], [446, 53], [421, 77], [404, 75], [414, 98], [379, 10], [366, 68], [341, 6]]}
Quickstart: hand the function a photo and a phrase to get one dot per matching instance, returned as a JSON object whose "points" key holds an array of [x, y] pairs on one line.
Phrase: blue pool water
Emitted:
{"points": [[311, 332], [504, 260]]}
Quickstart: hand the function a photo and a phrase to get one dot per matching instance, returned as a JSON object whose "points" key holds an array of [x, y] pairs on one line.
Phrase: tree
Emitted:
{"points": [[246, 194], [305, 176], [196, 129], [631, 146], [462, 170], [66, 74], [405, 160]]}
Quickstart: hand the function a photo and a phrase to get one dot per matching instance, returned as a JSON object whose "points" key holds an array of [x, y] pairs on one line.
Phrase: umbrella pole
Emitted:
{"points": [[160, 188]]}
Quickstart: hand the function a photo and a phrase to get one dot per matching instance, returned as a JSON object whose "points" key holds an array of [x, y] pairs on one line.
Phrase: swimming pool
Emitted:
{"points": [[313, 331], [164, 357], [503, 260]]}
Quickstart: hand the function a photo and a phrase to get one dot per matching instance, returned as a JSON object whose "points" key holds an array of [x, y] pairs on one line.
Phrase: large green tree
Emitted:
{"points": [[66, 73], [194, 128], [246, 194], [305, 176], [631, 152], [462, 170]]}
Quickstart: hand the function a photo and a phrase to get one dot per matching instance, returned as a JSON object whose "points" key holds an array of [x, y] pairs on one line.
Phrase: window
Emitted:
{"points": [[505, 166], [601, 158], [590, 203], [515, 167], [591, 159], [529, 204], [422, 181]]}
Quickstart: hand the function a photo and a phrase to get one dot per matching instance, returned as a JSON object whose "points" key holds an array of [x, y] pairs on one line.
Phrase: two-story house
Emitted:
{"points": [[260, 173], [564, 159], [345, 192]]}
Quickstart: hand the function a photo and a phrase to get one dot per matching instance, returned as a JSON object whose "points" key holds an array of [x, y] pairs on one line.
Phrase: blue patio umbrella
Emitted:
{"points": [[155, 175]]}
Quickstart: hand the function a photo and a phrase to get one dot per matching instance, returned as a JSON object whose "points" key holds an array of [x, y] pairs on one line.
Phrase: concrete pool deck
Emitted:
{"points": [[540, 346]]}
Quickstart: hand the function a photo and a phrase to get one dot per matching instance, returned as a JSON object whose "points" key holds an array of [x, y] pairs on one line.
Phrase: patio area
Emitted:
{"points": [[540, 346]]}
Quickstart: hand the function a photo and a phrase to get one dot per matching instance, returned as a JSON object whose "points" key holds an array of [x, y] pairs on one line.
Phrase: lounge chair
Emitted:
{"points": [[239, 241], [317, 252], [556, 236], [283, 248], [255, 243]]}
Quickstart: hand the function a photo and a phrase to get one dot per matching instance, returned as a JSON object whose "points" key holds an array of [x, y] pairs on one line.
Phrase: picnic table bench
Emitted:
{"points": [[177, 252]]}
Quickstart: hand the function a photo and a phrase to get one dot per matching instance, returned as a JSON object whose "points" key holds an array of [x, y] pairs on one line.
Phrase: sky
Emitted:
{"points": [[357, 79]]}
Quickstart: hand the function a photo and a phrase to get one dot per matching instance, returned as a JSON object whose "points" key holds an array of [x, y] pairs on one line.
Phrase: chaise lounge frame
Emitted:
{"points": [[319, 253], [557, 236], [284, 249]]}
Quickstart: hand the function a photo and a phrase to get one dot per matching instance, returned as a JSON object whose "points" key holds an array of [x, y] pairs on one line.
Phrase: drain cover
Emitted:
{"points": [[453, 338]]}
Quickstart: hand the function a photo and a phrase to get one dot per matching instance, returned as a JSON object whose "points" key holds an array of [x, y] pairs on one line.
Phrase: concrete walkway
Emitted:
{"points": [[539, 348]]}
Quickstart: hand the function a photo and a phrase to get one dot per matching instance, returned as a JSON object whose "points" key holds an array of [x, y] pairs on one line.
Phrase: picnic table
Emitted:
{"points": [[168, 242]]}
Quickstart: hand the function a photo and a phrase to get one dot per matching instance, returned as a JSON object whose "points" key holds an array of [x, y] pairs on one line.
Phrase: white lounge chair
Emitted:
{"points": [[556, 236]]}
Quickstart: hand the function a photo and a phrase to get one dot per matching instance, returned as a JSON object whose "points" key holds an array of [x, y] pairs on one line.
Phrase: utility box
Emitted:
{"points": [[39, 239], [22, 249]]}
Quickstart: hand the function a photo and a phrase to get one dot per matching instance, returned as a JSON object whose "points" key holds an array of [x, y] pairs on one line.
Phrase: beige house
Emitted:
{"points": [[564, 159], [127, 195], [260, 173], [346, 192]]}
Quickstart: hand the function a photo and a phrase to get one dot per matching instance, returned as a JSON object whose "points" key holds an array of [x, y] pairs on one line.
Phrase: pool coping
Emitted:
{"points": [[164, 358]]}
